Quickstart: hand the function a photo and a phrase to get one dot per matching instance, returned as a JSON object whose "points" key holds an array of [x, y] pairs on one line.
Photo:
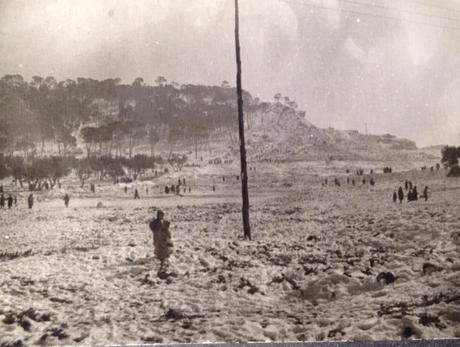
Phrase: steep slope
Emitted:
{"points": [[281, 131]]}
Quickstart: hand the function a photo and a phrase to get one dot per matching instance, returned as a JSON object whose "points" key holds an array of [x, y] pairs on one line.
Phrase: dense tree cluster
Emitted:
{"points": [[46, 172], [450, 156], [110, 118]]}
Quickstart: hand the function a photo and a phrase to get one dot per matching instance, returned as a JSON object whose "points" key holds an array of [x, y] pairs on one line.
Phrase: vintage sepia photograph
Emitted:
{"points": [[221, 171]]}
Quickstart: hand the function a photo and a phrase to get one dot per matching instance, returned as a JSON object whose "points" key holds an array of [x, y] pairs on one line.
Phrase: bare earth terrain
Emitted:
{"points": [[86, 275]]}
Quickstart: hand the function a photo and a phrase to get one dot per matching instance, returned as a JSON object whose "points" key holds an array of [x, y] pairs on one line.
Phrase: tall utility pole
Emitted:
{"points": [[244, 174]]}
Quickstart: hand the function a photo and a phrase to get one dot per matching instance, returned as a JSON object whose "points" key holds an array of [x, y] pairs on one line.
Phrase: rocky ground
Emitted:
{"points": [[86, 275]]}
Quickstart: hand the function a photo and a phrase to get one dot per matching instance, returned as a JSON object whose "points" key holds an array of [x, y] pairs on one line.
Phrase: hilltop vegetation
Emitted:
{"points": [[107, 117], [89, 118]]}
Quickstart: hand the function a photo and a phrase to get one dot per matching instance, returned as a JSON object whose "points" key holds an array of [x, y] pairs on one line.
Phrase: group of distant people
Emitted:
{"points": [[351, 181], [8, 201], [432, 168], [178, 188], [412, 194], [387, 169]]}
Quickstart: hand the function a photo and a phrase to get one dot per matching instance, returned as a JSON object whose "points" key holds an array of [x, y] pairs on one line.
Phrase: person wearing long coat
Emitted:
{"points": [[162, 241], [400, 195]]}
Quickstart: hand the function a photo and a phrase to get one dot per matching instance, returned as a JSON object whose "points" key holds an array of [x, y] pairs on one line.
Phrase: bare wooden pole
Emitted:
{"points": [[244, 175]]}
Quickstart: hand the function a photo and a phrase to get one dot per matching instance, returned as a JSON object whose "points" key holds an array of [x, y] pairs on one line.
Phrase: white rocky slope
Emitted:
{"points": [[281, 131]]}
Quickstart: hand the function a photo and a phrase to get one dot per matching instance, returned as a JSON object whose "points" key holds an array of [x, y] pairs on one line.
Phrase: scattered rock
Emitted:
{"points": [[9, 319], [25, 323], [100, 205], [43, 340], [173, 314], [427, 319], [152, 339], [221, 279], [165, 275], [16, 343], [245, 283], [81, 337], [429, 268], [59, 333], [387, 277], [335, 333], [411, 328]]}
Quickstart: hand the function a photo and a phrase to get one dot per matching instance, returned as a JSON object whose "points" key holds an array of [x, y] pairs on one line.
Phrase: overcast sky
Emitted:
{"points": [[343, 67]]}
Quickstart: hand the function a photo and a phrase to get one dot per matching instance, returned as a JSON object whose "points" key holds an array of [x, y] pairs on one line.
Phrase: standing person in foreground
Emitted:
{"points": [[425, 193], [30, 200], [66, 200], [400, 195], [10, 201], [161, 239]]}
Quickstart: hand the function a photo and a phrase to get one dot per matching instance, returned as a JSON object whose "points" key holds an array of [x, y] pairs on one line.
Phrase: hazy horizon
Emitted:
{"points": [[344, 68]]}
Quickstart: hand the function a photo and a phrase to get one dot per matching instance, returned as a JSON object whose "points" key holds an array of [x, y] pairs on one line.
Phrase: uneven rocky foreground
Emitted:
{"points": [[86, 275]]}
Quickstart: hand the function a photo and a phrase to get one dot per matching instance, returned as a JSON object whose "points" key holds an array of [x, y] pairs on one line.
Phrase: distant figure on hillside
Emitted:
{"points": [[136, 194], [93, 188], [425, 193], [395, 197], [126, 189], [183, 181], [30, 201], [337, 182], [372, 182], [353, 182], [162, 241], [146, 190], [213, 188], [166, 190], [2, 201], [178, 189], [223, 178], [1, 189], [400, 195], [189, 189], [325, 181], [66, 200], [406, 185], [413, 194], [10, 201], [15, 200], [173, 189], [410, 185], [364, 181], [348, 180]]}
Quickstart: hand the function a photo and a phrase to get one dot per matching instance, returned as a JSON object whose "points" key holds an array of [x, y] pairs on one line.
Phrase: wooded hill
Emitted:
{"points": [[88, 118], [107, 117]]}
